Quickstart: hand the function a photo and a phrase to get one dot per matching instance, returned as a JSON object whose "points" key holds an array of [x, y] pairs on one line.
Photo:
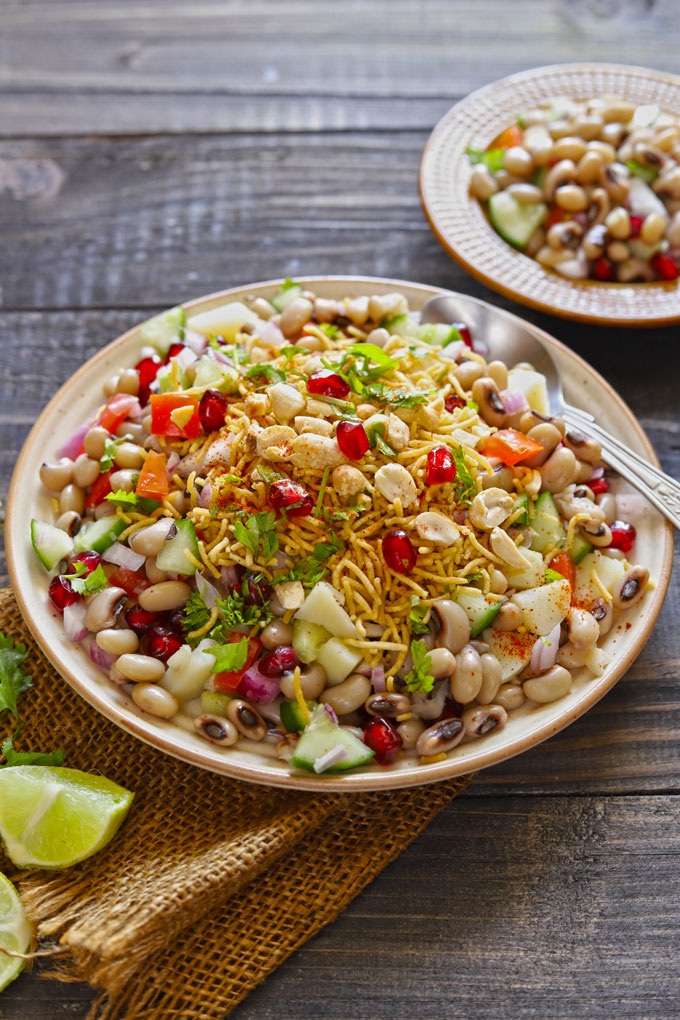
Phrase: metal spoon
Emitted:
{"points": [[507, 339]]}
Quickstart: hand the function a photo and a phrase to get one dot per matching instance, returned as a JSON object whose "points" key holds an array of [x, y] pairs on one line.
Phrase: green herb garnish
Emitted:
{"points": [[13, 681], [13, 757], [90, 585], [229, 658], [111, 444], [259, 532], [466, 487], [493, 158], [417, 616], [419, 678]]}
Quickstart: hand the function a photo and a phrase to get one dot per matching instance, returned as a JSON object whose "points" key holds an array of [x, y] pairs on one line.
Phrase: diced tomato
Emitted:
{"points": [[512, 135], [555, 215], [228, 683], [131, 581], [162, 407], [117, 409], [564, 565], [99, 491], [511, 446], [153, 478]]}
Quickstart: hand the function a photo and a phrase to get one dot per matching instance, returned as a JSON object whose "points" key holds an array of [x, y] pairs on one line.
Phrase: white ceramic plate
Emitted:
{"points": [[526, 727]]}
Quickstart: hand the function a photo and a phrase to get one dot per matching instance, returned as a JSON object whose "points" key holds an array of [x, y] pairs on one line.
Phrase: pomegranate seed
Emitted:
{"points": [[161, 642], [282, 660], [61, 593], [398, 552], [173, 351], [89, 559], [176, 621], [140, 620], [623, 536], [285, 494], [452, 402], [441, 466], [598, 485], [328, 384], [664, 267], [382, 738], [352, 439], [211, 410], [148, 370], [636, 225], [465, 334], [604, 269]]}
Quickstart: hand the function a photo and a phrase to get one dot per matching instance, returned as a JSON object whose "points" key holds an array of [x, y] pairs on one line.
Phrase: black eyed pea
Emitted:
{"points": [[110, 386], [166, 595], [535, 242], [348, 696], [571, 657], [295, 315], [598, 533], [571, 198], [634, 271], [480, 721], [72, 497], [410, 731], [630, 589], [584, 447], [482, 183], [584, 629], [152, 571], [130, 428], [510, 696], [617, 223], [129, 455], [491, 678], [563, 173], [559, 470], [467, 372], [58, 475], [588, 126], [94, 442], [441, 737], [502, 478], [104, 608], [618, 251], [653, 228], [584, 471], [246, 719], [549, 437], [467, 679], [85, 471], [150, 540], [123, 479], [388, 705], [443, 663], [275, 634], [216, 730], [570, 147], [313, 681], [117, 642], [606, 151], [140, 668], [498, 582], [553, 257], [155, 700], [614, 133], [549, 686], [70, 522], [262, 308], [454, 626], [603, 613], [560, 128], [617, 110], [518, 161], [614, 179], [491, 407], [595, 241], [588, 169], [509, 618], [564, 235], [574, 268], [649, 155], [128, 381], [600, 204]]}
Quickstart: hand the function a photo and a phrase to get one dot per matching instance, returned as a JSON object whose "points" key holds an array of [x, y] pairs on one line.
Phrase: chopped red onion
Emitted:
{"points": [[218, 356], [481, 347], [74, 444], [630, 506], [598, 472], [173, 461], [378, 679], [74, 622], [453, 350], [205, 496], [271, 334], [514, 402], [544, 651], [123, 556], [332, 757], [196, 342], [207, 591], [330, 711], [257, 687], [581, 218], [129, 404], [101, 658]]}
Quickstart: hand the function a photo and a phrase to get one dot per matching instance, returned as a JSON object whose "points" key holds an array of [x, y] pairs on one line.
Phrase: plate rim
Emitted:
{"points": [[352, 782], [434, 221]]}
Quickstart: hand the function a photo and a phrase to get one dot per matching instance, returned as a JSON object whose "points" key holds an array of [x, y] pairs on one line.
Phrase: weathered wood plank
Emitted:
{"points": [[504, 907], [156, 66]]}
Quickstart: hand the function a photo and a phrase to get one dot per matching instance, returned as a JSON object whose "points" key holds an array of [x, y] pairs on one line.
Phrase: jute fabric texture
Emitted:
{"points": [[211, 883]]}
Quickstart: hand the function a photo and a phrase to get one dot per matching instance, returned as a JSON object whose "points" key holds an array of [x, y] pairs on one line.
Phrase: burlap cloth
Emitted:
{"points": [[210, 884]]}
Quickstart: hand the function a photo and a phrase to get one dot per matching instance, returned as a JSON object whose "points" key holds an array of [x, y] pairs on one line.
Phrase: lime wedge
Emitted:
{"points": [[15, 933], [54, 817]]}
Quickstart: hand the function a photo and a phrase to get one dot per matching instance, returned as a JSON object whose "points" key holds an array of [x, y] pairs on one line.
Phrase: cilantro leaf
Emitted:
{"points": [[195, 613], [374, 353], [419, 678], [330, 330], [235, 610], [266, 372], [268, 474], [493, 158], [13, 681], [229, 658], [90, 585], [552, 575], [13, 757], [259, 532], [311, 569], [111, 444], [466, 489], [375, 433], [417, 616], [122, 498]]}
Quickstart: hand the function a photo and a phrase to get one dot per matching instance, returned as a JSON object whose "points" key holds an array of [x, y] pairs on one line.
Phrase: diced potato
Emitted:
{"points": [[543, 608], [532, 385], [608, 569], [531, 576], [225, 321], [512, 650], [338, 659], [323, 606]]}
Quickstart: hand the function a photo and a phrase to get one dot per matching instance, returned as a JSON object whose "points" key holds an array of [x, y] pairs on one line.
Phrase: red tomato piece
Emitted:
{"points": [[512, 135], [153, 477], [117, 409], [162, 407], [99, 491], [555, 215], [564, 565], [131, 581], [511, 446], [228, 683]]}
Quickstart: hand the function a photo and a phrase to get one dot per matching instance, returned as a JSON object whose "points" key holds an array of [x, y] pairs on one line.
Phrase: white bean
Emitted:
{"points": [[140, 668], [117, 642], [549, 686], [150, 540], [349, 695], [155, 700], [166, 595]]}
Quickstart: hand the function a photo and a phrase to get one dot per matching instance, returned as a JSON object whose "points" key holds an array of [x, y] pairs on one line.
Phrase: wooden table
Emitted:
{"points": [[151, 152]]}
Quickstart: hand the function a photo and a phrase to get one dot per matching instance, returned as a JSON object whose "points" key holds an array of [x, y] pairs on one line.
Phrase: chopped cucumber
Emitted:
{"points": [[211, 372], [579, 547], [522, 502], [513, 221], [402, 325], [215, 703], [99, 535], [292, 717], [323, 735], [284, 297], [547, 531], [438, 334], [181, 539], [163, 330], [531, 576], [338, 660], [481, 609], [308, 639], [51, 544]]}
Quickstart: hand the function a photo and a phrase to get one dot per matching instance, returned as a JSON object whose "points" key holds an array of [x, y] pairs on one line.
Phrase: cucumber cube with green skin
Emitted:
{"points": [[438, 334], [522, 502], [215, 703], [99, 535], [512, 220], [481, 609], [580, 547], [210, 372], [163, 330], [284, 297], [292, 716], [308, 639], [51, 544], [402, 325], [172, 557], [547, 531], [322, 735]]}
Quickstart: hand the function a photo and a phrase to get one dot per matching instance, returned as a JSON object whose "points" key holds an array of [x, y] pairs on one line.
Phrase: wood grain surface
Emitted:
{"points": [[153, 151]]}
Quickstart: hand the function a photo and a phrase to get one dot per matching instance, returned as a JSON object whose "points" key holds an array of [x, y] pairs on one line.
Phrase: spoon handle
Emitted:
{"points": [[659, 488]]}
